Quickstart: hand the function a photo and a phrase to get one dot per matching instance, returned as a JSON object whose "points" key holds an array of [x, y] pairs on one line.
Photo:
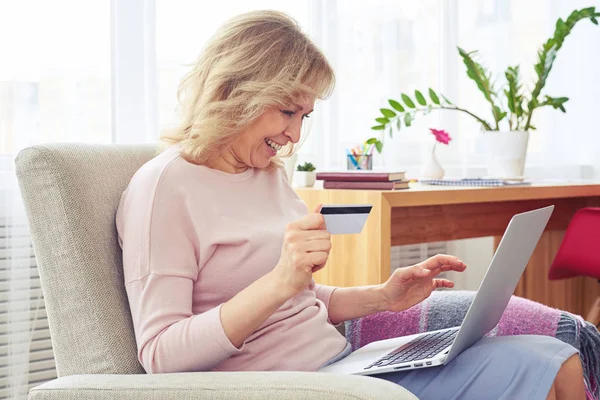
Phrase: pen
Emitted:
{"points": [[351, 157]]}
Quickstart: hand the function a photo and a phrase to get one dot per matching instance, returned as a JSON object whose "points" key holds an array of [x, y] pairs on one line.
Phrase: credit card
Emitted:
{"points": [[345, 218]]}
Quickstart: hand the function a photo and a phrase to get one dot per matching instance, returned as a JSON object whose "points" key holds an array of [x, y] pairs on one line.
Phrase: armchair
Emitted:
{"points": [[71, 193]]}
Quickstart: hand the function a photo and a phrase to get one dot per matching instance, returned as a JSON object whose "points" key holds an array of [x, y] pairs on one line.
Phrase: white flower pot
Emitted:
{"points": [[432, 169], [305, 178], [290, 166], [505, 153]]}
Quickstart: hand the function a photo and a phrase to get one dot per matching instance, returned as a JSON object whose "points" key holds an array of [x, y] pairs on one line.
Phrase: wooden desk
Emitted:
{"points": [[424, 214]]}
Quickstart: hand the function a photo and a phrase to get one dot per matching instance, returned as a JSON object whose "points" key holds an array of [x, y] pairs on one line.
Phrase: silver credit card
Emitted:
{"points": [[345, 218]]}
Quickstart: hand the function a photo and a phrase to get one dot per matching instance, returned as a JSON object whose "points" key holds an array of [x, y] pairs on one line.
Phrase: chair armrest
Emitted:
{"points": [[220, 385]]}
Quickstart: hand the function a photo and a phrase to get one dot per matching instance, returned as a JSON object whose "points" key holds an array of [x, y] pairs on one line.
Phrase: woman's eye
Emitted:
{"points": [[306, 116], [289, 113]]}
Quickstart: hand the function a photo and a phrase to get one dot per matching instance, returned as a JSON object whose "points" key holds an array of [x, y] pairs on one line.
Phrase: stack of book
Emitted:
{"points": [[379, 180]]}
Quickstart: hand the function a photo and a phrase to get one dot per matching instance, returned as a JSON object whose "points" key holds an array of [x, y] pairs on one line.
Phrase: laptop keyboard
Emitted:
{"points": [[421, 348]]}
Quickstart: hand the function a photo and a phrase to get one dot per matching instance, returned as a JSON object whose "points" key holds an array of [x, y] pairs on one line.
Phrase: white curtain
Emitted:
{"points": [[54, 87], [382, 48]]}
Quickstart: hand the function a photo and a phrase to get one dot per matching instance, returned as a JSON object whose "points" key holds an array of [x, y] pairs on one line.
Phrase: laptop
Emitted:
{"points": [[435, 348]]}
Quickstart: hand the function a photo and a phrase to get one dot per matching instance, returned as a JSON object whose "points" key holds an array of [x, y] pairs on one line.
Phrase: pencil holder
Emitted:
{"points": [[359, 162]]}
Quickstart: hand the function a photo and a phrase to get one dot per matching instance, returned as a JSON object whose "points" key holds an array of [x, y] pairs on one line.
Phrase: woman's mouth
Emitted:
{"points": [[273, 146]]}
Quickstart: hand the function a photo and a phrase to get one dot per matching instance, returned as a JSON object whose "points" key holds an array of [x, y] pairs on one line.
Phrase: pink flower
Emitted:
{"points": [[441, 135]]}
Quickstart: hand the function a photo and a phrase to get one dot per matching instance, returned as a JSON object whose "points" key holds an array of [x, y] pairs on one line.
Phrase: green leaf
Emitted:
{"points": [[428, 109], [372, 140], [481, 77], [398, 124], [407, 101], [387, 113], [390, 131], [543, 67], [447, 101], [420, 99], [307, 166], [378, 127], [498, 114], [434, 97], [408, 119], [396, 106], [555, 102], [514, 97], [379, 146], [383, 121], [547, 54]]}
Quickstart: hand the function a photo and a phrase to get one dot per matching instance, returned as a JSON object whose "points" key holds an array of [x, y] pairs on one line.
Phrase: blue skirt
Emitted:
{"points": [[507, 367]]}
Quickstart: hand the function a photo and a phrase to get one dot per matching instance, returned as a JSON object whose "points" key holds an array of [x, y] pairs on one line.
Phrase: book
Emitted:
{"points": [[475, 182], [393, 185], [361, 176]]}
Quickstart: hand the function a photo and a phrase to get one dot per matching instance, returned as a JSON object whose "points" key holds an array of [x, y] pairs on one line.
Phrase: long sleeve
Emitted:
{"points": [[323, 293], [161, 263], [170, 338]]}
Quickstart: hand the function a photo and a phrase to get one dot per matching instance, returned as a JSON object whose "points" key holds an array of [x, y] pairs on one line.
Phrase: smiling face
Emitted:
{"points": [[275, 128]]}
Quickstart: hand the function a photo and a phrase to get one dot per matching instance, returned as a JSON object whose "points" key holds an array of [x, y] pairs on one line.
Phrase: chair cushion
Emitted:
{"points": [[221, 385]]}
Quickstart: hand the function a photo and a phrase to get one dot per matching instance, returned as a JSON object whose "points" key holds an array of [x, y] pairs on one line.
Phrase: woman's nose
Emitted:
{"points": [[293, 131]]}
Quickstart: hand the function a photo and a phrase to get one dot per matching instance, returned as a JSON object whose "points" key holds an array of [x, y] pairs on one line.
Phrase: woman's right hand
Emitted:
{"points": [[305, 250]]}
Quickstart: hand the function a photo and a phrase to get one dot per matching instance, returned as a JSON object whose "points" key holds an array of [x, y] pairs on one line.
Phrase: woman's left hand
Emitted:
{"points": [[411, 285]]}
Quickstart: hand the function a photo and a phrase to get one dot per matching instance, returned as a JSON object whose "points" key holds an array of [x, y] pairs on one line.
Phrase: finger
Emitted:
{"points": [[317, 268], [413, 273], [315, 245], [308, 222], [439, 260], [450, 267], [443, 283], [317, 234], [318, 211], [317, 258]]}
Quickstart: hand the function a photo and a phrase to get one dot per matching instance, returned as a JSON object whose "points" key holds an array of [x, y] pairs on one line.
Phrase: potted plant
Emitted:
{"points": [[511, 104], [305, 175]]}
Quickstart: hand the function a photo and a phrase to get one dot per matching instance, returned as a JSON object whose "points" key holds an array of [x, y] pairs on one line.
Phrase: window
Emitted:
{"points": [[55, 73], [54, 87]]}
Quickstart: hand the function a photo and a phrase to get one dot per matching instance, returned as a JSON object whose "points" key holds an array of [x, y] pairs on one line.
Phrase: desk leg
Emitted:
{"points": [[575, 295]]}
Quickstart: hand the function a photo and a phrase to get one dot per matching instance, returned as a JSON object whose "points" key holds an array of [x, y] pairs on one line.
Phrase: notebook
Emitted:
{"points": [[476, 182]]}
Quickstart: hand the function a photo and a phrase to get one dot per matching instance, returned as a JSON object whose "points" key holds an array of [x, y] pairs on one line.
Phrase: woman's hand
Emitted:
{"points": [[305, 250], [411, 285]]}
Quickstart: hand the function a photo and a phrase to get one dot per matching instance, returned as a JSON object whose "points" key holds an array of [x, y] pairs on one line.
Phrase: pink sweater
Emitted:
{"points": [[193, 237]]}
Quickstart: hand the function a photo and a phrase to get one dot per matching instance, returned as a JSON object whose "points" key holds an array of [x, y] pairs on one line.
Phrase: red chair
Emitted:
{"points": [[579, 253]]}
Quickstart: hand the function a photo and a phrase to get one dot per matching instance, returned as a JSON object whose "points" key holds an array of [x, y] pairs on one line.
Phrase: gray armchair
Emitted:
{"points": [[71, 192]]}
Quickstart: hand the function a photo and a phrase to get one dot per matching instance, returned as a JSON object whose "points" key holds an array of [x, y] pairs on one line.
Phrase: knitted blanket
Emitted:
{"points": [[445, 309]]}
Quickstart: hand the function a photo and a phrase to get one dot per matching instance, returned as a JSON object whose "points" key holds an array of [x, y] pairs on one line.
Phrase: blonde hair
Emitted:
{"points": [[256, 60]]}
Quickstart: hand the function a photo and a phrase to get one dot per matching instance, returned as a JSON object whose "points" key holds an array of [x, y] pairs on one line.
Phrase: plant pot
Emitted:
{"points": [[290, 166], [505, 153], [305, 178]]}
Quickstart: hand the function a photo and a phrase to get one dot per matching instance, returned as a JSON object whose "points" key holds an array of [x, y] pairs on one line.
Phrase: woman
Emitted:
{"points": [[219, 251]]}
